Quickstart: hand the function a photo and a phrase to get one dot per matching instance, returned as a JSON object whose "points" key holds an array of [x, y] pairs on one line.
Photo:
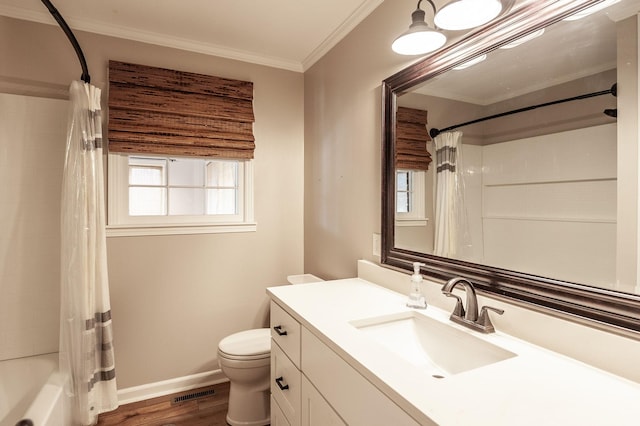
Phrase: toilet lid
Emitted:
{"points": [[247, 343]]}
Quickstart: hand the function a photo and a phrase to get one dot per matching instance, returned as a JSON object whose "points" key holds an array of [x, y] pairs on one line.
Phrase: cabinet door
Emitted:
{"points": [[358, 401], [315, 410], [277, 416]]}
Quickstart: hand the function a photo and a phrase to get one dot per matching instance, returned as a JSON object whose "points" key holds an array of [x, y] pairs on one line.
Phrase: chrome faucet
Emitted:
{"points": [[469, 317]]}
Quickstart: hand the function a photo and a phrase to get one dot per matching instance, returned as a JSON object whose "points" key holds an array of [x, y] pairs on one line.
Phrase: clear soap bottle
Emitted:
{"points": [[416, 298]]}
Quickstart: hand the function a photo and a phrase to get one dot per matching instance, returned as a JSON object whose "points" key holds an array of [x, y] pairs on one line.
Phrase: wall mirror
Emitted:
{"points": [[539, 203]]}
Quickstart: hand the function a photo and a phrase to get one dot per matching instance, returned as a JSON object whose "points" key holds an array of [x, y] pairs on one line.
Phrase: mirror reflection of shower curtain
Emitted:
{"points": [[86, 351], [452, 237]]}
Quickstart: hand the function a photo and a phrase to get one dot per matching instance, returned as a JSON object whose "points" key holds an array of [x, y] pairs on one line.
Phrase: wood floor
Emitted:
{"points": [[209, 410]]}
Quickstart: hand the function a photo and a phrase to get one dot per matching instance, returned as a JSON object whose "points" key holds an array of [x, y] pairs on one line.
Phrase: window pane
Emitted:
{"points": [[222, 173], [402, 202], [186, 172], [221, 201], [186, 201], [147, 201], [146, 171], [403, 181]]}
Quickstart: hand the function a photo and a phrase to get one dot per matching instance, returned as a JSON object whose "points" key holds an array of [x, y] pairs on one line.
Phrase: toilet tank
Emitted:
{"points": [[303, 279]]}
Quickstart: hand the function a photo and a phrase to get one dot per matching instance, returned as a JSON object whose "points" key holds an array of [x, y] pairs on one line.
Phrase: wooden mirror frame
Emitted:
{"points": [[606, 309]]}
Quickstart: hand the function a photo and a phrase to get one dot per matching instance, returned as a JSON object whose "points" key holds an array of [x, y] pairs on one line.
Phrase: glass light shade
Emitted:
{"points": [[418, 42], [466, 14]]}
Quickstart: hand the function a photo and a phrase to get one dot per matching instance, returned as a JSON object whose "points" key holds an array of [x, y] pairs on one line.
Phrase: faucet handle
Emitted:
{"points": [[484, 321], [458, 311]]}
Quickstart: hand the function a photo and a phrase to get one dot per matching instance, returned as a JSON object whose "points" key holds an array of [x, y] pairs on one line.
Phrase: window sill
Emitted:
{"points": [[150, 230], [411, 222]]}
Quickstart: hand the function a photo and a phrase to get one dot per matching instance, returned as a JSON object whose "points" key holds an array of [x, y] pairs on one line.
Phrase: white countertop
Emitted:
{"points": [[536, 387]]}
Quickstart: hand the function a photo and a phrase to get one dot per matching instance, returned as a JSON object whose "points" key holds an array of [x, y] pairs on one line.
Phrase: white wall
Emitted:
{"points": [[471, 161], [549, 205], [32, 145], [628, 33]]}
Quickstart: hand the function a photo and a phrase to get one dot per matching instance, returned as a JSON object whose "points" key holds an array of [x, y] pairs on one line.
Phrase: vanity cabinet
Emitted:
{"points": [[311, 385], [315, 410], [285, 367]]}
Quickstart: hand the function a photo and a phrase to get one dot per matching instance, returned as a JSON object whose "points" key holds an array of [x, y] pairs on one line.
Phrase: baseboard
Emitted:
{"points": [[167, 387]]}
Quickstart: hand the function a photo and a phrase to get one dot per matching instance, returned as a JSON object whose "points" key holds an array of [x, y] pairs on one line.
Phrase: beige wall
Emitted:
{"points": [[174, 297], [343, 143]]}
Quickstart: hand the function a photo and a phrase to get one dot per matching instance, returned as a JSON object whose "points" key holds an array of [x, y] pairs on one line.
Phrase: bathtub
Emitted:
{"points": [[31, 389]]}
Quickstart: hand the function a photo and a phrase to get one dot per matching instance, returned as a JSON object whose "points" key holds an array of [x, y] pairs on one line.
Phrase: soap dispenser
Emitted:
{"points": [[416, 298]]}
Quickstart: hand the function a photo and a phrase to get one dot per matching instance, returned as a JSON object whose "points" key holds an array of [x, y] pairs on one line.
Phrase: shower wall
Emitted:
{"points": [[549, 205], [32, 144]]}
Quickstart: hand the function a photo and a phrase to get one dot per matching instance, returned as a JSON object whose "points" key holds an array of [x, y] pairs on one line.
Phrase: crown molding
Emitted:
{"points": [[365, 8], [153, 38], [339, 33]]}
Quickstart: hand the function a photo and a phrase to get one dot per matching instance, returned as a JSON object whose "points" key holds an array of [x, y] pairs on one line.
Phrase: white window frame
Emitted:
{"points": [[416, 216], [120, 223]]}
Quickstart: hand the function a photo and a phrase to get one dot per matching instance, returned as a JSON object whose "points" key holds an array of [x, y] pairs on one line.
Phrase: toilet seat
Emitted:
{"points": [[246, 345]]}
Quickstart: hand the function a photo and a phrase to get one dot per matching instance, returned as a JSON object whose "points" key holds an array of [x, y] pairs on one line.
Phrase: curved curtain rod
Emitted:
{"points": [[613, 91], [74, 42]]}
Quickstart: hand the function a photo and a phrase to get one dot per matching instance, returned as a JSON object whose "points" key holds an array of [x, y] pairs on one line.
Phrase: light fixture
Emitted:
{"points": [[420, 38], [524, 39], [466, 14], [471, 62]]}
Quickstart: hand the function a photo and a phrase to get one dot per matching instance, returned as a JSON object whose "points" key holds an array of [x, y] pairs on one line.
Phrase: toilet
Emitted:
{"points": [[245, 358]]}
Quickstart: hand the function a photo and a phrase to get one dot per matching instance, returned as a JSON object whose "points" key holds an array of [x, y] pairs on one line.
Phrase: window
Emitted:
{"points": [[181, 147], [159, 195], [410, 198]]}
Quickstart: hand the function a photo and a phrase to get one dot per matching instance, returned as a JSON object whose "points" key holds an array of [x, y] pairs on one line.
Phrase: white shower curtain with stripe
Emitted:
{"points": [[86, 350], [451, 226]]}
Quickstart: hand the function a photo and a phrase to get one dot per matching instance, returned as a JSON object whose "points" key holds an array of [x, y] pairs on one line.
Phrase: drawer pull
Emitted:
{"points": [[280, 385], [278, 329]]}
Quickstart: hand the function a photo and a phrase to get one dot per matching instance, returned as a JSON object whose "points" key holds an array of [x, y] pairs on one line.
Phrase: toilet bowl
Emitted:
{"points": [[245, 359]]}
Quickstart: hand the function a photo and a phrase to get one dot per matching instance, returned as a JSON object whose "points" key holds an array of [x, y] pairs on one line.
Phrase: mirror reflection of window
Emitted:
{"points": [[403, 193], [410, 197]]}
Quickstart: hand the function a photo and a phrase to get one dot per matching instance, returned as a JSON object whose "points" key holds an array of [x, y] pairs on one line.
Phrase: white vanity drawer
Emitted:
{"points": [[285, 331], [285, 384]]}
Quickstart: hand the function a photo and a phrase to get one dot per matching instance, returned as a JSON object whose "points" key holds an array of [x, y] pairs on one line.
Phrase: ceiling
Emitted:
{"points": [[287, 34]]}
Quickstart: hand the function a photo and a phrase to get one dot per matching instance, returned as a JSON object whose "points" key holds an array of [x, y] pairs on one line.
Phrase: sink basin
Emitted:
{"points": [[429, 344]]}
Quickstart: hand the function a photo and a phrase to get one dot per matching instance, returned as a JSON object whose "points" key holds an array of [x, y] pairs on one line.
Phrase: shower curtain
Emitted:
{"points": [[451, 225], [86, 351]]}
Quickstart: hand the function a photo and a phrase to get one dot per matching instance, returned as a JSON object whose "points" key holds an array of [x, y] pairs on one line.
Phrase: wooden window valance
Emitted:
{"points": [[166, 112], [411, 139]]}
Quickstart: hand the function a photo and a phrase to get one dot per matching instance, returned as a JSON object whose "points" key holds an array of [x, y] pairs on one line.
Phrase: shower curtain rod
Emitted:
{"points": [[60, 20], [613, 113]]}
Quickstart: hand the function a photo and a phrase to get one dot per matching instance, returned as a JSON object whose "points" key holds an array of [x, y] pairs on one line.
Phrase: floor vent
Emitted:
{"points": [[190, 396]]}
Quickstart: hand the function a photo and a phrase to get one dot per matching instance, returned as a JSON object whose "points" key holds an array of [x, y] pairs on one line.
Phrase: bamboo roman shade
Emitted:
{"points": [[160, 111], [411, 139]]}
